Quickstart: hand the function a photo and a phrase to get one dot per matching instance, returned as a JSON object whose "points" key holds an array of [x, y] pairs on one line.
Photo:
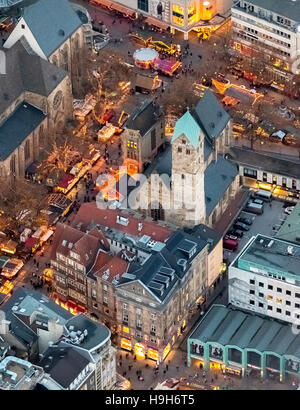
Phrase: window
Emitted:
{"points": [[261, 295], [279, 290], [153, 316], [270, 308], [270, 287], [288, 303], [288, 313], [288, 292], [252, 282], [23, 26], [179, 149], [138, 311], [143, 5], [252, 292], [283, 181], [297, 305], [188, 151], [261, 284], [105, 288], [184, 141], [124, 305], [251, 173], [27, 150], [265, 176], [153, 139], [105, 303], [125, 318], [278, 310], [297, 295], [252, 302], [153, 328], [261, 305], [294, 184], [13, 164]]}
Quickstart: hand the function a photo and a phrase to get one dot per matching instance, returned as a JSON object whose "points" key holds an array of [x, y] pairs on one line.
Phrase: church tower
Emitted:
{"points": [[188, 196]]}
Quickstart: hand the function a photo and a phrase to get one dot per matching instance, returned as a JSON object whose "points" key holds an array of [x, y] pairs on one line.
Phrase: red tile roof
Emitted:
{"points": [[86, 245], [113, 265], [89, 212]]}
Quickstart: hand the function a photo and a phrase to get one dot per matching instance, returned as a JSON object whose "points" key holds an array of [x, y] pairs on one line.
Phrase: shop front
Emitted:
{"points": [[232, 370], [126, 344], [140, 350]]}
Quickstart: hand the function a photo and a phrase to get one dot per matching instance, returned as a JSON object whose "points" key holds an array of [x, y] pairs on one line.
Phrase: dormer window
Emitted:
{"points": [[179, 149]]}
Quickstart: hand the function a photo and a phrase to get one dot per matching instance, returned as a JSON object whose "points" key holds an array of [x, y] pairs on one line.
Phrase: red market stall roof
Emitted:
{"points": [[166, 66], [31, 242], [65, 181]]}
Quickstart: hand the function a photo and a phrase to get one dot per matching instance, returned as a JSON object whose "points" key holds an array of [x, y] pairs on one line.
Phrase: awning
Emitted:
{"points": [[122, 9], [47, 235], [106, 3], [156, 22], [31, 242]]}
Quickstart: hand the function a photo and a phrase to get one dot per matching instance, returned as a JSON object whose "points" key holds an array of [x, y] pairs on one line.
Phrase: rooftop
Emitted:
{"points": [[51, 22], [235, 327], [18, 374], [21, 123], [285, 8], [144, 117], [63, 364], [290, 230], [188, 126], [93, 334], [266, 162], [270, 255]]}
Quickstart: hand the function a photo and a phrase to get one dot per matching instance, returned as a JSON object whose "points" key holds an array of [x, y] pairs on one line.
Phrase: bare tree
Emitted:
{"points": [[21, 203]]}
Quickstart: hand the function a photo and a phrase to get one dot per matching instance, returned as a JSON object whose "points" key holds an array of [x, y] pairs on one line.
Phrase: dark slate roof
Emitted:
{"points": [[168, 260], [218, 177], [22, 122], [162, 163], [64, 364], [206, 234], [51, 22], [210, 115], [25, 72], [97, 333], [144, 117], [207, 149], [266, 163], [9, 3]]}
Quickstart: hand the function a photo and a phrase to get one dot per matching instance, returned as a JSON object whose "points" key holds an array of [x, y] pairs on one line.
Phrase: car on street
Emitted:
{"points": [[244, 220], [240, 226], [231, 236], [289, 210]]}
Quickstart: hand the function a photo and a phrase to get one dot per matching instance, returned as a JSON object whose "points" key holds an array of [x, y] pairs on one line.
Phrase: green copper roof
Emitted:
{"points": [[187, 125]]}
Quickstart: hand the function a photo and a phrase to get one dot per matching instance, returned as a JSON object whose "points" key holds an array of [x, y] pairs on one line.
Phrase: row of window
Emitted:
{"points": [[278, 310], [270, 287]]}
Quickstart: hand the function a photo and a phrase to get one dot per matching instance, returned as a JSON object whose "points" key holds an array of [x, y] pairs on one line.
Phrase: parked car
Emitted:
{"points": [[258, 201], [230, 244], [231, 236], [236, 232], [247, 221], [240, 226], [254, 208]]}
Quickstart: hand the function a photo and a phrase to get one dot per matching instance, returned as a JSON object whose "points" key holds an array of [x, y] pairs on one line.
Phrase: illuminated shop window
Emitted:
{"points": [[192, 17], [178, 15]]}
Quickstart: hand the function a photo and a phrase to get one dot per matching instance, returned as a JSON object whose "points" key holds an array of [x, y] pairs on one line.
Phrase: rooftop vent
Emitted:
{"points": [[61, 32], [122, 221], [212, 125], [290, 250], [270, 243], [70, 246], [64, 242]]}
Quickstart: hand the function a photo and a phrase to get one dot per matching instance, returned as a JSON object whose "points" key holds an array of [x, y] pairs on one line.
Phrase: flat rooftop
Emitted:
{"points": [[235, 327], [290, 230], [264, 254], [285, 8]]}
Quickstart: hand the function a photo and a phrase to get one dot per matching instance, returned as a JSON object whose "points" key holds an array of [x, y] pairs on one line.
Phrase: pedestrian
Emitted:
{"points": [[34, 261], [167, 367], [177, 367]]}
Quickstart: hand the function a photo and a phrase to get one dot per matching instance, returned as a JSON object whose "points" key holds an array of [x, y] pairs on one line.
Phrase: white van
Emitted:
{"points": [[263, 194]]}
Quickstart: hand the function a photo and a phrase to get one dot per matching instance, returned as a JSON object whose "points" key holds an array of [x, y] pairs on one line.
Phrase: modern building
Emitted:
{"points": [[53, 30], [191, 182], [180, 15], [141, 278], [264, 278], [241, 343], [273, 173], [144, 135], [269, 31], [29, 321], [18, 374], [36, 96]]}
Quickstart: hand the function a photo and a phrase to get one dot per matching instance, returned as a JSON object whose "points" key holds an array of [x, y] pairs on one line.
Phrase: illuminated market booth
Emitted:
{"points": [[239, 343], [144, 57]]}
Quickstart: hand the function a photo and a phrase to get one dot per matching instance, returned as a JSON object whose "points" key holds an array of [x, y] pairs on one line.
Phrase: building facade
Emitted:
{"points": [[142, 278], [180, 15], [144, 135], [269, 31], [280, 176], [264, 278], [244, 344]]}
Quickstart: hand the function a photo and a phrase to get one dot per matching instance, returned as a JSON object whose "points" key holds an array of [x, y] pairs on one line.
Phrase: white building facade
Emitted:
{"points": [[269, 30], [264, 278]]}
